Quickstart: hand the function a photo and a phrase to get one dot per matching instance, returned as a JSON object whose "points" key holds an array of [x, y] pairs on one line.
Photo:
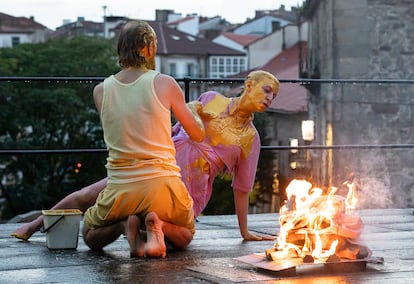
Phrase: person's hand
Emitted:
{"points": [[197, 108], [252, 237]]}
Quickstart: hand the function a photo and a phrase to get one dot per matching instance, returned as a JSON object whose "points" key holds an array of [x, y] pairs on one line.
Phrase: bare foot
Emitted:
{"points": [[132, 232], [155, 246], [25, 231]]}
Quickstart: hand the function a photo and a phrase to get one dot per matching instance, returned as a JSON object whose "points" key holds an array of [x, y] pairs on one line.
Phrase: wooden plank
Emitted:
{"points": [[290, 264]]}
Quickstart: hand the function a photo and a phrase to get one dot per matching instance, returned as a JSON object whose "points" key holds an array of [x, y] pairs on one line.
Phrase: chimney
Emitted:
{"points": [[162, 15]]}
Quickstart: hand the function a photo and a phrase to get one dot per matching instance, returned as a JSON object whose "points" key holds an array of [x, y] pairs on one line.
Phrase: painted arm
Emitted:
{"points": [[241, 202]]}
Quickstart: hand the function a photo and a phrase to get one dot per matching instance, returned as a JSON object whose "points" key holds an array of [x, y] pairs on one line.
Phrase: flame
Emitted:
{"points": [[314, 222], [351, 198]]}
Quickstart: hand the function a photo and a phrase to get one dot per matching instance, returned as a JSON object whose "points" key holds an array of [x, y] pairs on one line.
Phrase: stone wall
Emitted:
{"points": [[371, 39]]}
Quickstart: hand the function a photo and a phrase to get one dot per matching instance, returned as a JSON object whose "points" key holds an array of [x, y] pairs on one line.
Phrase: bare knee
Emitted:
{"points": [[185, 241], [87, 196], [88, 239], [98, 238], [178, 237]]}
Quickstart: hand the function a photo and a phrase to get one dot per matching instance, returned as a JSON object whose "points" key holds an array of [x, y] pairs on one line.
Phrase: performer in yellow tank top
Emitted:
{"points": [[144, 182]]}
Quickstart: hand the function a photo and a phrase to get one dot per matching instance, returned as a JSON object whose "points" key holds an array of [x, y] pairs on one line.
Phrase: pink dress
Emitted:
{"points": [[232, 145]]}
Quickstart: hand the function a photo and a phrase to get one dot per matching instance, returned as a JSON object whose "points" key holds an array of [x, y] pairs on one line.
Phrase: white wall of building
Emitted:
{"points": [[181, 65], [264, 49], [189, 26], [223, 40], [261, 26], [6, 39]]}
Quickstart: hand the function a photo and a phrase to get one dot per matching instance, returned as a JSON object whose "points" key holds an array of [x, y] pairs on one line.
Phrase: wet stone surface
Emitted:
{"points": [[210, 258]]}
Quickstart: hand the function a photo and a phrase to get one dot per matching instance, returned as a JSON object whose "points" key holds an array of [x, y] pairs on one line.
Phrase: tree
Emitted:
{"points": [[51, 115]]}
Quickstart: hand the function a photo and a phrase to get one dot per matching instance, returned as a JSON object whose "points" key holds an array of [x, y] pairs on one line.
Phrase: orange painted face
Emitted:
{"points": [[261, 94]]}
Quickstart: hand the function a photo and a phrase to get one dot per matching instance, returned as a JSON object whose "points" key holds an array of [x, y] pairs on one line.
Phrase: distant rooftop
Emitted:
{"points": [[172, 41], [10, 24]]}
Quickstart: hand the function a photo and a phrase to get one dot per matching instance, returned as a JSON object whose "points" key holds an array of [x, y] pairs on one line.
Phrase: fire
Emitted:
{"points": [[316, 225], [351, 198]]}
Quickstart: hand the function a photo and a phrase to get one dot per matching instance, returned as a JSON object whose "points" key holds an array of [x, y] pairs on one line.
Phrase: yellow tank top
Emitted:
{"points": [[137, 131]]}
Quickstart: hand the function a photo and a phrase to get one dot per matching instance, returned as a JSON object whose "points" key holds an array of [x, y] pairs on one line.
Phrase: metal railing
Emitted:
{"points": [[284, 152], [188, 81]]}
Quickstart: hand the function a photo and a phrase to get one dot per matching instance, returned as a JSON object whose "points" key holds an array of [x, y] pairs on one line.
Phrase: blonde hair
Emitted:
{"points": [[258, 75]]}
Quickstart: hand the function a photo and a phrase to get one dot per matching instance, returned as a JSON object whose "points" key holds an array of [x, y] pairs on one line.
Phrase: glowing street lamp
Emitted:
{"points": [[308, 131]]}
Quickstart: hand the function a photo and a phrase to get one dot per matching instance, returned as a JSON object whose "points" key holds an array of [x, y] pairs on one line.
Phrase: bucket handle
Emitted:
{"points": [[44, 230]]}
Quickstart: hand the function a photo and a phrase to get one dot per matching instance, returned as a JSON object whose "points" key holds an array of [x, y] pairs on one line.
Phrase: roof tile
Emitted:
{"points": [[172, 41]]}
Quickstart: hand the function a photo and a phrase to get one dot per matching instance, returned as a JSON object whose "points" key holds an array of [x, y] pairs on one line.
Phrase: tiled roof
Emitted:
{"points": [[244, 40], [288, 16], [182, 20], [87, 25], [292, 97], [10, 24], [172, 41], [78, 28]]}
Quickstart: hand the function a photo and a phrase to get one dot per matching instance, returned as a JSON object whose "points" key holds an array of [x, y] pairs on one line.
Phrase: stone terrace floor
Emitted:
{"points": [[210, 258]]}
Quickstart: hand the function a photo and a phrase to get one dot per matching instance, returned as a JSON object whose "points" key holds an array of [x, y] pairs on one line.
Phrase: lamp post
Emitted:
{"points": [[104, 21]]}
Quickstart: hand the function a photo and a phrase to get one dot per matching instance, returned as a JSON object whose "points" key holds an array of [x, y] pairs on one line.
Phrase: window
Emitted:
{"points": [[235, 65], [275, 26], [228, 65], [221, 65], [190, 70], [173, 69], [15, 40], [224, 66], [242, 64]]}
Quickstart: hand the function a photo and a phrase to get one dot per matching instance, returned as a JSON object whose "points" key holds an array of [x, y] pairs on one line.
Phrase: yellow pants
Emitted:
{"points": [[166, 196]]}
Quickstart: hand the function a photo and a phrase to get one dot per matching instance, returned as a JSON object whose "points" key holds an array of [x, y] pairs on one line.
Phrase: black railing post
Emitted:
{"points": [[187, 88]]}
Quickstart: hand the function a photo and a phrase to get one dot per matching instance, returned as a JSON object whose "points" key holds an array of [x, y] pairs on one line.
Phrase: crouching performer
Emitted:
{"points": [[144, 188]]}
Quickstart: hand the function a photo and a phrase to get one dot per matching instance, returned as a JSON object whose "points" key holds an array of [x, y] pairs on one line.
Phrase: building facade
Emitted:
{"points": [[18, 30], [360, 40]]}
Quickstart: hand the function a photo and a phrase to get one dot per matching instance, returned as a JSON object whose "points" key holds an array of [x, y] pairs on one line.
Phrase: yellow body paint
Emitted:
{"points": [[228, 129]]}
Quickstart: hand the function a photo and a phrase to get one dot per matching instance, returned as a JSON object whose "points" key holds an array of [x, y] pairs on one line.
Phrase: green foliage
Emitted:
{"points": [[263, 187], [222, 200], [51, 115], [80, 56]]}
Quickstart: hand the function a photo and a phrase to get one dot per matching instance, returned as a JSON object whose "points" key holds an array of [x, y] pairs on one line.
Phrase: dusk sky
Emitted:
{"points": [[51, 13]]}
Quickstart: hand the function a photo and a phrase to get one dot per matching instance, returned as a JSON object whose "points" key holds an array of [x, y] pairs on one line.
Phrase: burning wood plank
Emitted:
{"points": [[315, 225], [315, 229]]}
